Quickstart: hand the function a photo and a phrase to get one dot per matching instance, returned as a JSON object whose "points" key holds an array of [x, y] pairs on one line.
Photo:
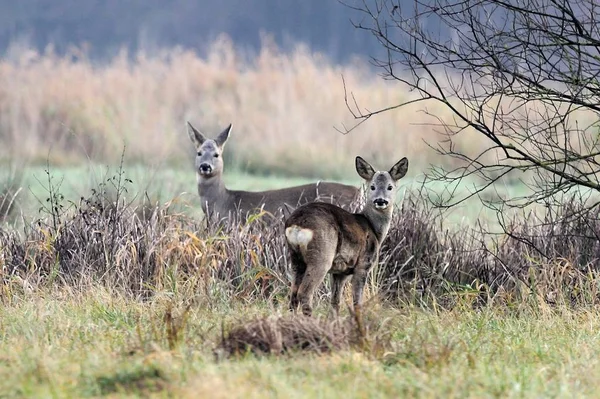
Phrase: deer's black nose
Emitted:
{"points": [[381, 202], [206, 168]]}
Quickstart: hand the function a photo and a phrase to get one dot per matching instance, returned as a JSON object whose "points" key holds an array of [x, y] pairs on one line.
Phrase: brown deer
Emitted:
{"points": [[219, 202], [323, 238]]}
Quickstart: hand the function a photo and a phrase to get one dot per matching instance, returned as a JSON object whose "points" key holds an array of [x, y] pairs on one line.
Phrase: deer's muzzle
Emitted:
{"points": [[381, 203], [205, 169]]}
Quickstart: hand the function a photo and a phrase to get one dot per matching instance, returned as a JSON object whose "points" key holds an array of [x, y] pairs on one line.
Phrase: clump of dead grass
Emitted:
{"points": [[281, 334]]}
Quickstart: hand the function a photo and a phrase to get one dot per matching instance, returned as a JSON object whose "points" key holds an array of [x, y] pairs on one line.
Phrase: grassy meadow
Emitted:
{"points": [[112, 284], [67, 344]]}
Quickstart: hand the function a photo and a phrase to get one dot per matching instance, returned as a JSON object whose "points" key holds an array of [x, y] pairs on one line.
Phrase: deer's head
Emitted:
{"points": [[381, 186], [209, 161]]}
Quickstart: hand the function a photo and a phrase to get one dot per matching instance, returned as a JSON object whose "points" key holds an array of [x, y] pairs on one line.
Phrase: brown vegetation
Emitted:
{"points": [[70, 109], [106, 240], [276, 335]]}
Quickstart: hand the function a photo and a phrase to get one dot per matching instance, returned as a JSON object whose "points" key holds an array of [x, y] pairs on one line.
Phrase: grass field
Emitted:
{"points": [[61, 344], [65, 333], [64, 338], [98, 299]]}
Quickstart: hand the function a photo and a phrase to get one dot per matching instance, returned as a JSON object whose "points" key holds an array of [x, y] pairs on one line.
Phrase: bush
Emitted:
{"points": [[107, 239]]}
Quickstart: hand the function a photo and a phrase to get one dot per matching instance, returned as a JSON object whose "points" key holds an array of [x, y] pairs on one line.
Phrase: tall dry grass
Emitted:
{"points": [[283, 106], [110, 239]]}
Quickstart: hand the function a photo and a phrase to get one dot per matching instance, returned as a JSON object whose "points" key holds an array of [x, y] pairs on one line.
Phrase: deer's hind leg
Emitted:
{"points": [[299, 268], [318, 263]]}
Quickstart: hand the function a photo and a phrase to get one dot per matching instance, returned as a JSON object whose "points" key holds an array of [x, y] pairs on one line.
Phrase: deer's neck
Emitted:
{"points": [[380, 220], [212, 191]]}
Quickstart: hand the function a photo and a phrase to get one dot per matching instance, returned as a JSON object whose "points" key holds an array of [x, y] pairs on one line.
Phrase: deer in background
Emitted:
{"points": [[323, 238], [220, 202]]}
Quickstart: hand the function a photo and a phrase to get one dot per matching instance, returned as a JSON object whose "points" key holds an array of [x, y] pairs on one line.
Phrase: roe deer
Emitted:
{"points": [[323, 238], [220, 202]]}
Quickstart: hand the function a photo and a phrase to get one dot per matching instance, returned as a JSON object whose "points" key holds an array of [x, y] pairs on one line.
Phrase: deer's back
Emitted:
{"points": [[290, 198], [336, 193], [349, 234]]}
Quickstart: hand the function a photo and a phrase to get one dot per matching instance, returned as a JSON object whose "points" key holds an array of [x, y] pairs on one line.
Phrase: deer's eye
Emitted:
{"points": [[216, 155], [390, 188], [372, 188], [199, 153]]}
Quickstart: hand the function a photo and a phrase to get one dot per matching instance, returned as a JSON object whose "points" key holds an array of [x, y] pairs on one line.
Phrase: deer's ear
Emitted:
{"points": [[197, 138], [223, 136], [398, 171], [363, 168]]}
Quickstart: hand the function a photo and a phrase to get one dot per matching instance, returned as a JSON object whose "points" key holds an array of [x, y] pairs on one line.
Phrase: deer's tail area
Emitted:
{"points": [[298, 237]]}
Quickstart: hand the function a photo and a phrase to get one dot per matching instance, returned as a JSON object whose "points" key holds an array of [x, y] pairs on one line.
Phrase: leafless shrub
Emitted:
{"points": [[523, 75], [556, 257], [421, 258]]}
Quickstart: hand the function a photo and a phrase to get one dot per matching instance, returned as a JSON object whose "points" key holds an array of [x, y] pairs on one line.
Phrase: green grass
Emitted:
{"points": [[163, 184], [160, 184], [60, 344]]}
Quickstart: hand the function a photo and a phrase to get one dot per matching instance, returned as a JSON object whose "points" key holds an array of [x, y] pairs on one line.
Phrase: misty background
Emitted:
{"points": [[104, 27]]}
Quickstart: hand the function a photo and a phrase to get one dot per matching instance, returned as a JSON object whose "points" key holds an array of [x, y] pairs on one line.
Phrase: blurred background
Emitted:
{"points": [[84, 84], [105, 27]]}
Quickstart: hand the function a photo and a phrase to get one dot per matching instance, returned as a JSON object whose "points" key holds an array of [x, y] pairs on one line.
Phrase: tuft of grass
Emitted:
{"points": [[10, 189], [276, 335]]}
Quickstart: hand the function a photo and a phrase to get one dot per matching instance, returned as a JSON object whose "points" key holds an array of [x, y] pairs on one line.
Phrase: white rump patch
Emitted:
{"points": [[298, 236]]}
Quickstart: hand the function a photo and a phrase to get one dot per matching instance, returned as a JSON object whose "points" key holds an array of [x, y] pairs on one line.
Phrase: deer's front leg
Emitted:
{"points": [[359, 278], [337, 287]]}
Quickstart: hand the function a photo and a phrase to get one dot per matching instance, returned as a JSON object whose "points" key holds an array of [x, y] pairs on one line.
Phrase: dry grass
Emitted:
{"points": [[103, 300], [283, 108], [276, 335], [116, 239], [112, 296]]}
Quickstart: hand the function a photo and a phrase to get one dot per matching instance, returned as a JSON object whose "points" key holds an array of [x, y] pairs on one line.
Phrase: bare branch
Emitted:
{"points": [[523, 74]]}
